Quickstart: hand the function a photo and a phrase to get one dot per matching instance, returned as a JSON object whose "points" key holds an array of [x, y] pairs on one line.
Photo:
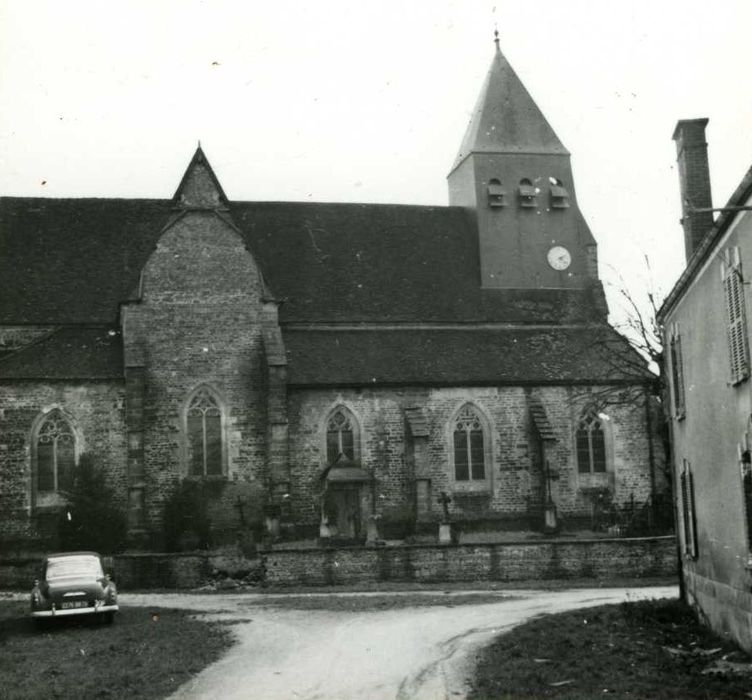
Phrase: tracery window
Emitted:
{"points": [[340, 436], [591, 444], [204, 429], [55, 453], [469, 446]]}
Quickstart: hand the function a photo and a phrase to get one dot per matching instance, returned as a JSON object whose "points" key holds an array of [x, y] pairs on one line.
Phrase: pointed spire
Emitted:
{"points": [[506, 118], [199, 187]]}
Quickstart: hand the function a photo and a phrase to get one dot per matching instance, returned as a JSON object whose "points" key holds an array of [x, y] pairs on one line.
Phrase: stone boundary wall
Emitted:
{"points": [[602, 560], [608, 560]]}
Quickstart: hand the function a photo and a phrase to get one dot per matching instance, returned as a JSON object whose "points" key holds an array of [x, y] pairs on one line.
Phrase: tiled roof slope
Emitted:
{"points": [[73, 260], [455, 356], [506, 118], [73, 352], [67, 261], [361, 357]]}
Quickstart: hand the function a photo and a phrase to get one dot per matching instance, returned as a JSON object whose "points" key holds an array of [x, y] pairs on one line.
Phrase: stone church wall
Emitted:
{"points": [[97, 410], [199, 324], [515, 474], [97, 414]]}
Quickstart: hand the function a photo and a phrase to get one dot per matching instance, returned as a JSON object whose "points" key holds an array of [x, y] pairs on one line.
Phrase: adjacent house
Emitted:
{"points": [[331, 364], [706, 338]]}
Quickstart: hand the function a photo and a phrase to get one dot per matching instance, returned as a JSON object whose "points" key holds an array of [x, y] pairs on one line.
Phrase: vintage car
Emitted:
{"points": [[73, 583]]}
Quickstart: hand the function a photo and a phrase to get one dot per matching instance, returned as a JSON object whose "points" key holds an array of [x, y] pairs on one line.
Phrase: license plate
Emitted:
{"points": [[73, 604]]}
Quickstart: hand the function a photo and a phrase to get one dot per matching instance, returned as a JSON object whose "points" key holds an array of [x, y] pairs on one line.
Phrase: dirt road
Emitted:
{"points": [[413, 653]]}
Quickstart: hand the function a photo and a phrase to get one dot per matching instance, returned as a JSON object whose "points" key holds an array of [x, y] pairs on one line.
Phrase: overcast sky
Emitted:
{"points": [[354, 101]]}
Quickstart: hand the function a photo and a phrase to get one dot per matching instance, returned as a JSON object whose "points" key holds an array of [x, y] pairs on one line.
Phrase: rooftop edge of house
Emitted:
{"points": [[740, 195]]}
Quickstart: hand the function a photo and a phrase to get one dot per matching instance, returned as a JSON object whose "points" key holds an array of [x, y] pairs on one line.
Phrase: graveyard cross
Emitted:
{"points": [[240, 505], [445, 499]]}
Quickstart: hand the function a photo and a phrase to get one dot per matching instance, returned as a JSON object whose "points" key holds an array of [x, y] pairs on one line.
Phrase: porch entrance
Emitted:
{"points": [[345, 502]]}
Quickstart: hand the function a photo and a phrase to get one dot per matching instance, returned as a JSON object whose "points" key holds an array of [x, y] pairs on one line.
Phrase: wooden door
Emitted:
{"points": [[347, 503]]}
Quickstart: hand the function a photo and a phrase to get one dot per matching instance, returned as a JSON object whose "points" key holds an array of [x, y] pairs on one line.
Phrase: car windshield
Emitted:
{"points": [[84, 565]]}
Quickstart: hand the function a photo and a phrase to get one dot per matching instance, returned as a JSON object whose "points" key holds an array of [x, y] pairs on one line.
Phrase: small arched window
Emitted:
{"points": [[204, 432], [528, 193], [559, 194], [469, 446], [591, 444], [55, 453], [496, 193], [341, 434]]}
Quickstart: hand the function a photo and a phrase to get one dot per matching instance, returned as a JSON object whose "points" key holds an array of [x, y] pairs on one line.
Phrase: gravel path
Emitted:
{"points": [[405, 653]]}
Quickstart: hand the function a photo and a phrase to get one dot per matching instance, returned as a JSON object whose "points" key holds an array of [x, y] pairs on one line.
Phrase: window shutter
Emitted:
{"points": [[686, 512], [677, 375], [692, 515], [746, 469], [737, 324]]}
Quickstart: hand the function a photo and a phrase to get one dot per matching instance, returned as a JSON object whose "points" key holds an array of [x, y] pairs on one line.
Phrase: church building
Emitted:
{"points": [[327, 366]]}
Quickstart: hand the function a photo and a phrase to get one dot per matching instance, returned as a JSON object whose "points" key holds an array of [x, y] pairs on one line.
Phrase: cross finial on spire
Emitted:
{"points": [[496, 37]]}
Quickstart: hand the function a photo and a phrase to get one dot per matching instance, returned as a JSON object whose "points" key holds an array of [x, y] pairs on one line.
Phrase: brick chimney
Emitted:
{"points": [[694, 181]]}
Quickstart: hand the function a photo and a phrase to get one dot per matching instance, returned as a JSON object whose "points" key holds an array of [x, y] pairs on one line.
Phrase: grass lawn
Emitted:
{"points": [[145, 653], [652, 649]]}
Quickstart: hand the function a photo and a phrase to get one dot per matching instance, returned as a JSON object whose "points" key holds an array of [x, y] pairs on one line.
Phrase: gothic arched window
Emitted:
{"points": [[204, 432], [591, 444], [469, 446], [341, 434], [55, 453]]}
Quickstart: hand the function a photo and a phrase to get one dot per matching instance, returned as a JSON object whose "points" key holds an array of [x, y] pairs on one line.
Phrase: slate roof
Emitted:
{"points": [[72, 261], [506, 118], [510, 356], [72, 352]]}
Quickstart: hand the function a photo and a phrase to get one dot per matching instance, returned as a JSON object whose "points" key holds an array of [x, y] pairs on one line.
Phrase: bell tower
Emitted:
{"points": [[515, 173]]}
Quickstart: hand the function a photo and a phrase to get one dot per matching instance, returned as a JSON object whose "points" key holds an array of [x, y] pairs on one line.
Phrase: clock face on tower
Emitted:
{"points": [[559, 258]]}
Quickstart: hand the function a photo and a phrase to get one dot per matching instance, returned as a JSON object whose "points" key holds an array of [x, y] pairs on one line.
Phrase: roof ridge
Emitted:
{"points": [[741, 193], [231, 202]]}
